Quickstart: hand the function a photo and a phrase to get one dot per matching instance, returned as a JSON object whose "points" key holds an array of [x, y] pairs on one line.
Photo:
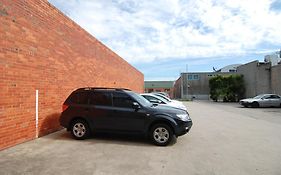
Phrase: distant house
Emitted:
{"points": [[159, 86]]}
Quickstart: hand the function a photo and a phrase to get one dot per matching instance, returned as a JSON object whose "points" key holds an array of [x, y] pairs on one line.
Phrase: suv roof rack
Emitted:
{"points": [[106, 88]]}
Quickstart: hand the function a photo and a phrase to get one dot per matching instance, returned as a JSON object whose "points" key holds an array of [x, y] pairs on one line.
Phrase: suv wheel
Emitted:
{"points": [[80, 129], [161, 134]]}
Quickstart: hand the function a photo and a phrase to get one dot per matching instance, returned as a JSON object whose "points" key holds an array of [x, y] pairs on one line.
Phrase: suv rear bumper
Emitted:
{"points": [[63, 121], [183, 128]]}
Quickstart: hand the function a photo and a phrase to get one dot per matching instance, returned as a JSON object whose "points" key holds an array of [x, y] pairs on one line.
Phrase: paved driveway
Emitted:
{"points": [[225, 139]]}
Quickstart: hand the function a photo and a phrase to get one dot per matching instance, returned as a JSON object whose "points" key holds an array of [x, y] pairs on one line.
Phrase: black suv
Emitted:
{"points": [[89, 110]]}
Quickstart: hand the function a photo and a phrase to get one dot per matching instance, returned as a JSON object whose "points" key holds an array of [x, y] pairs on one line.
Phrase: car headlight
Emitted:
{"points": [[183, 117]]}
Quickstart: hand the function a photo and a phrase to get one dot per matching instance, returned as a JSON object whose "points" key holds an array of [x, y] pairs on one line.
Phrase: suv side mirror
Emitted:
{"points": [[136, 106]]}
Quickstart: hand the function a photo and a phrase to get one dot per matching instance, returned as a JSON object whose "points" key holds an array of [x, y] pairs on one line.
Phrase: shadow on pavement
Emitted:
{"points": [[105, 138]]}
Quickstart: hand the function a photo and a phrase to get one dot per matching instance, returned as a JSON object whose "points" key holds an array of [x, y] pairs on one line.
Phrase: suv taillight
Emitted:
{"points": [[64, 107]]}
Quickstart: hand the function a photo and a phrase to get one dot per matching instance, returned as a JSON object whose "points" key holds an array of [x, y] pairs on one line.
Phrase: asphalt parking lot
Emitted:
{"points": [[225, 139]]}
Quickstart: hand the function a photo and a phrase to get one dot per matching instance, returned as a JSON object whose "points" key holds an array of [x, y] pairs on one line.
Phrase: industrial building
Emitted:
{"points": [[160, 86], [274, 58], [44, 56], [259, 77], [195, 85], [229, 68]]}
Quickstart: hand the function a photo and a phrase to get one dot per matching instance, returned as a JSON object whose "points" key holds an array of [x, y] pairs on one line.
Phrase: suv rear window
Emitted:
{"points": [[79, 98], [101, 98]]}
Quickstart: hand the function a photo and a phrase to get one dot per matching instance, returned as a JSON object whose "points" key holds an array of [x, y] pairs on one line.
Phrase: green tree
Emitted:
{"points": [[228, 88]]}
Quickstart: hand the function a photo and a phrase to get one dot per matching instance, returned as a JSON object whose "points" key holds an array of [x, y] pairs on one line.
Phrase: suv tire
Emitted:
{"points": [[80, 129], [161, 134]]}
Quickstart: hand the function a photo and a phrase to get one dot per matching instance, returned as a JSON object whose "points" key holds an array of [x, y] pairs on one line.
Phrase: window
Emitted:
{"points": [[80, 98], [122, 100], [193, 77], [274, 97], [101, 98], [153, 99], [149, 98], [196, 77]]}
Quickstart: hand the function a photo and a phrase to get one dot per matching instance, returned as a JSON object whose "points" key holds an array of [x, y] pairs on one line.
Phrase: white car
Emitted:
{"points": [[168, 99], [162, 101], [263, 100]]}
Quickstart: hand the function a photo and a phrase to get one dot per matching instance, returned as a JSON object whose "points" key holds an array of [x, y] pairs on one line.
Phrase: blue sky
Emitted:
{"points": [[162, 38]]}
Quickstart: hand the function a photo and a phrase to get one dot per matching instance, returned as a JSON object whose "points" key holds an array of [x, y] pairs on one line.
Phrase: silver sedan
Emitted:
{"points": [[263, 100]]}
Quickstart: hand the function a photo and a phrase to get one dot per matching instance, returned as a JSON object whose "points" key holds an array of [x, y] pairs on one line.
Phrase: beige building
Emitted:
{"points": [[261, 77], [159, 86], [195, 84]]}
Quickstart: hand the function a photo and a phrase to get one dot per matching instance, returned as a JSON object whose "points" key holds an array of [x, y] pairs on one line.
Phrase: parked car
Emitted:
{"points": [[162, 101], [263, 100], [167, 98], [162, 93], [90, 110]]}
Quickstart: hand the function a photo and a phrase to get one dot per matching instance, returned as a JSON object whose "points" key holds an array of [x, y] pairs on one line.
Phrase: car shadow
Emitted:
{"points": [[121, 139], [49, 124], [267, 107], [105, 138]]}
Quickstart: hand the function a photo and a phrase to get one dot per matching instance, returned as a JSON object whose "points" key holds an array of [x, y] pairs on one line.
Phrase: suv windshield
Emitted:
{"points": [[163, 97], [160, 98], [140, 99]]}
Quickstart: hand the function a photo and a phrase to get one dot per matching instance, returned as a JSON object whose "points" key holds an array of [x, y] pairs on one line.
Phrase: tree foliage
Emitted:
{"points": [[228, 88]]}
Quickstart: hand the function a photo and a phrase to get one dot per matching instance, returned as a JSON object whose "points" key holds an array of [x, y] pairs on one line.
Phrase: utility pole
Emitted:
{"points": [[181, 77], [186, 80]]}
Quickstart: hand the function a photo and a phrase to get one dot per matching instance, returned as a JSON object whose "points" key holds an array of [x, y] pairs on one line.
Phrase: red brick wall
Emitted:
{"points": [[177, 88], [40, 48]]}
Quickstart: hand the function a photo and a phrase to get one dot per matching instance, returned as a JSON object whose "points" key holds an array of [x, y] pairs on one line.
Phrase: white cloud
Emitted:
{"points": [[143, 31]]}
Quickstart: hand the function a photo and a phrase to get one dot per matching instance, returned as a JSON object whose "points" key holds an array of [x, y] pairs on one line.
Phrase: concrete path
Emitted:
{"points": [[225, 140]]}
